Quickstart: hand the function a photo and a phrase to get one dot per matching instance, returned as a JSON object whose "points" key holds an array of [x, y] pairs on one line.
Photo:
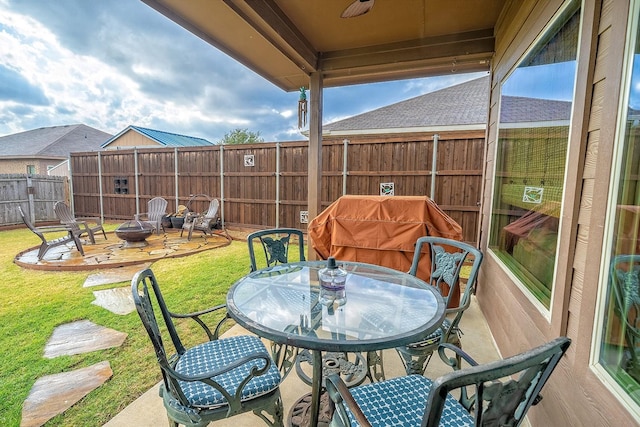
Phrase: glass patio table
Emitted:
{"points": [[384, 309]]}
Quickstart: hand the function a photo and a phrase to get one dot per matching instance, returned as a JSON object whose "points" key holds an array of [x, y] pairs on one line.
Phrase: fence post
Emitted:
{"points": [[175, 174], [345, 172], [72, 202], [222, 184], [135, 171], [100, 190], [32, 209], [277, 185], [434, 168]]}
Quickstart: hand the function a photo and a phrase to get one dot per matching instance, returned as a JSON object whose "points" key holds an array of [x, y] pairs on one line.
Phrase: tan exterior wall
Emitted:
{"points": [[20, 165], [130, 139], [575, 396]]}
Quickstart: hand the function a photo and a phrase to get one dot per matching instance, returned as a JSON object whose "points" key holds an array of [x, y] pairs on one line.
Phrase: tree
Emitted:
{"points": [[241, 136]]}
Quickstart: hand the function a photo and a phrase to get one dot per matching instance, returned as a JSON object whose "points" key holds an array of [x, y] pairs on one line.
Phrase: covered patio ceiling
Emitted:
{"points": [[306, 43], [286, 41]]}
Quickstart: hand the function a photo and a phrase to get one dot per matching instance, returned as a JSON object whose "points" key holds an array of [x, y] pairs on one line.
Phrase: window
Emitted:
{"points": [[533, 135], [31, 169], [619, 346], [121, 185]]}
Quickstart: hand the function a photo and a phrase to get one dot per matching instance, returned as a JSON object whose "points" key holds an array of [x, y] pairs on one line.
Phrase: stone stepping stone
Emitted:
{"points": [[53, 394], [116, 300], [115, 275], [81, 337]]}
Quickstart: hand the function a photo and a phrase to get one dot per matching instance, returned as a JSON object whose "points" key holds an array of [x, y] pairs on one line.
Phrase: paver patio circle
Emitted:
{"points": [[114, 253]]}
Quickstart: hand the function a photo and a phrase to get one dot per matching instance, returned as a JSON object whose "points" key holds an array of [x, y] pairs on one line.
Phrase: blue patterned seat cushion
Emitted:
{"points": [[214, 355], [434, 337], [401, 402]]}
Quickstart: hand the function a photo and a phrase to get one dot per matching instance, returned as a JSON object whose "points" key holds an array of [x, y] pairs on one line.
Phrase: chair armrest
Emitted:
{"points": [[340, 395], [196, 317], [53, 228], [89, 219], [452, 361], [255, 372]]}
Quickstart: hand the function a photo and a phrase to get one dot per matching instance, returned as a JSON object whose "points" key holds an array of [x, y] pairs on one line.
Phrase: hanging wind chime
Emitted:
{"points": [[302, 108]]}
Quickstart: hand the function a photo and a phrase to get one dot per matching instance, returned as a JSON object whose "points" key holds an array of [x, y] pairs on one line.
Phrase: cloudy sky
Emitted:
{"points": [[114, 63]]}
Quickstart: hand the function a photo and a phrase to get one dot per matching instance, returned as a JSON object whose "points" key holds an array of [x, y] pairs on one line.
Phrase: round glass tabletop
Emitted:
{"points": [[384, 308]]}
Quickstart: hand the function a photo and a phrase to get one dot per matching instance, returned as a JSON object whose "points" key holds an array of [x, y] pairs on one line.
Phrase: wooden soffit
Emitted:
{"points": [[286, 40]]}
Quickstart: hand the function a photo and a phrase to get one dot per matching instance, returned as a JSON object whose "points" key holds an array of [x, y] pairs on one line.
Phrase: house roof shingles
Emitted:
{"points": [[462, 104], [54, 141]]}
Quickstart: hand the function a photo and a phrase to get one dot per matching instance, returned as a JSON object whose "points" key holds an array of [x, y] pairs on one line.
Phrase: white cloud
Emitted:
{"points": [[89, 90], [286, 113], [81, 61]]}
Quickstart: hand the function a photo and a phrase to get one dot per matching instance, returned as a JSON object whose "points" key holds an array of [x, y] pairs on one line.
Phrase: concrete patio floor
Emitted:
{"points": [[477, 340]]}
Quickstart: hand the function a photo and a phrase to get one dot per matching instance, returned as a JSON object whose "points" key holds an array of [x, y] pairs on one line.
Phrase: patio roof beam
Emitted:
{"points": [[268, 19], [475, 45]]}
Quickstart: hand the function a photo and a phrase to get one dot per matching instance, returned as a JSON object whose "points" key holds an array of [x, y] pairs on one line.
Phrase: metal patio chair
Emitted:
{"points": [[274, 244], [272, 247], [625, 280], [217, 379], [48, 243], [447, 259], [81, 226], [501, 392], [156, 209]]}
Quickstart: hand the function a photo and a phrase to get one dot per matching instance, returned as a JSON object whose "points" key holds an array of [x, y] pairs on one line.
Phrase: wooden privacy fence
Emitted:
{"points": [[265, 185], [36, 194]]}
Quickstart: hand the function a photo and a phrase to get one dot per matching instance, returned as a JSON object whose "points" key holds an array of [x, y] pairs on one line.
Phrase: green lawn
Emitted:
{"points": [[33, 303]]}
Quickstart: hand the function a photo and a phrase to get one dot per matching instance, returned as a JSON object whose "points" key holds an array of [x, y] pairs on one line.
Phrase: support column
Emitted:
{"points": [[314, 193]]}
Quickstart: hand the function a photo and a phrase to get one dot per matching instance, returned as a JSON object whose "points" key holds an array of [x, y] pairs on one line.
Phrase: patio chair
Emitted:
{"points": [[625, 280], [502, 392], [447, 259], [80, 226], [274, 243], [47, 244], [156, 209], [205, 222], [218, 379], [271, 247]]}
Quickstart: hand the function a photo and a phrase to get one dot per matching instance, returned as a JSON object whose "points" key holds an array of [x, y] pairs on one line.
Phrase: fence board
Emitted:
{"points": [[264, 185], [34, 193]]}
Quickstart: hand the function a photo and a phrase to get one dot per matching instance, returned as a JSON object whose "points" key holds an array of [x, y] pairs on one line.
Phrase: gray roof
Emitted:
{"points": [[462, 104], [518, 109], [54, 141], [166, 139]]}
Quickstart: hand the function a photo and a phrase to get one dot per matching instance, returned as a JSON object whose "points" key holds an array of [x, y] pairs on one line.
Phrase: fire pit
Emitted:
{"points": [[134, 232]]}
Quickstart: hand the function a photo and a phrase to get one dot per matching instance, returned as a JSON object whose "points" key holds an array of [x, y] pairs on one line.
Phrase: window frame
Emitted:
{"points": [[632, 35], [546, 312]]}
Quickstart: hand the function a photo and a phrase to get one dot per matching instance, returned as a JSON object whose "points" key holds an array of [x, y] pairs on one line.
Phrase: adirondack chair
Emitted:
{"points": [[156, 209], [47, 244], [205, 222], [80, 226]]}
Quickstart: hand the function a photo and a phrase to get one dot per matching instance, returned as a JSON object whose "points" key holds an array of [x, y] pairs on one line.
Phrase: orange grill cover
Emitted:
{"points": [[381, 230]]}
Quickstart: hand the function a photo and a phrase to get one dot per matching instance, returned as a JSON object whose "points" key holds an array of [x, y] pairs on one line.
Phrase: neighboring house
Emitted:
{"points": [[459, 108], [39, 150], [462, 107], [139, 137]]}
